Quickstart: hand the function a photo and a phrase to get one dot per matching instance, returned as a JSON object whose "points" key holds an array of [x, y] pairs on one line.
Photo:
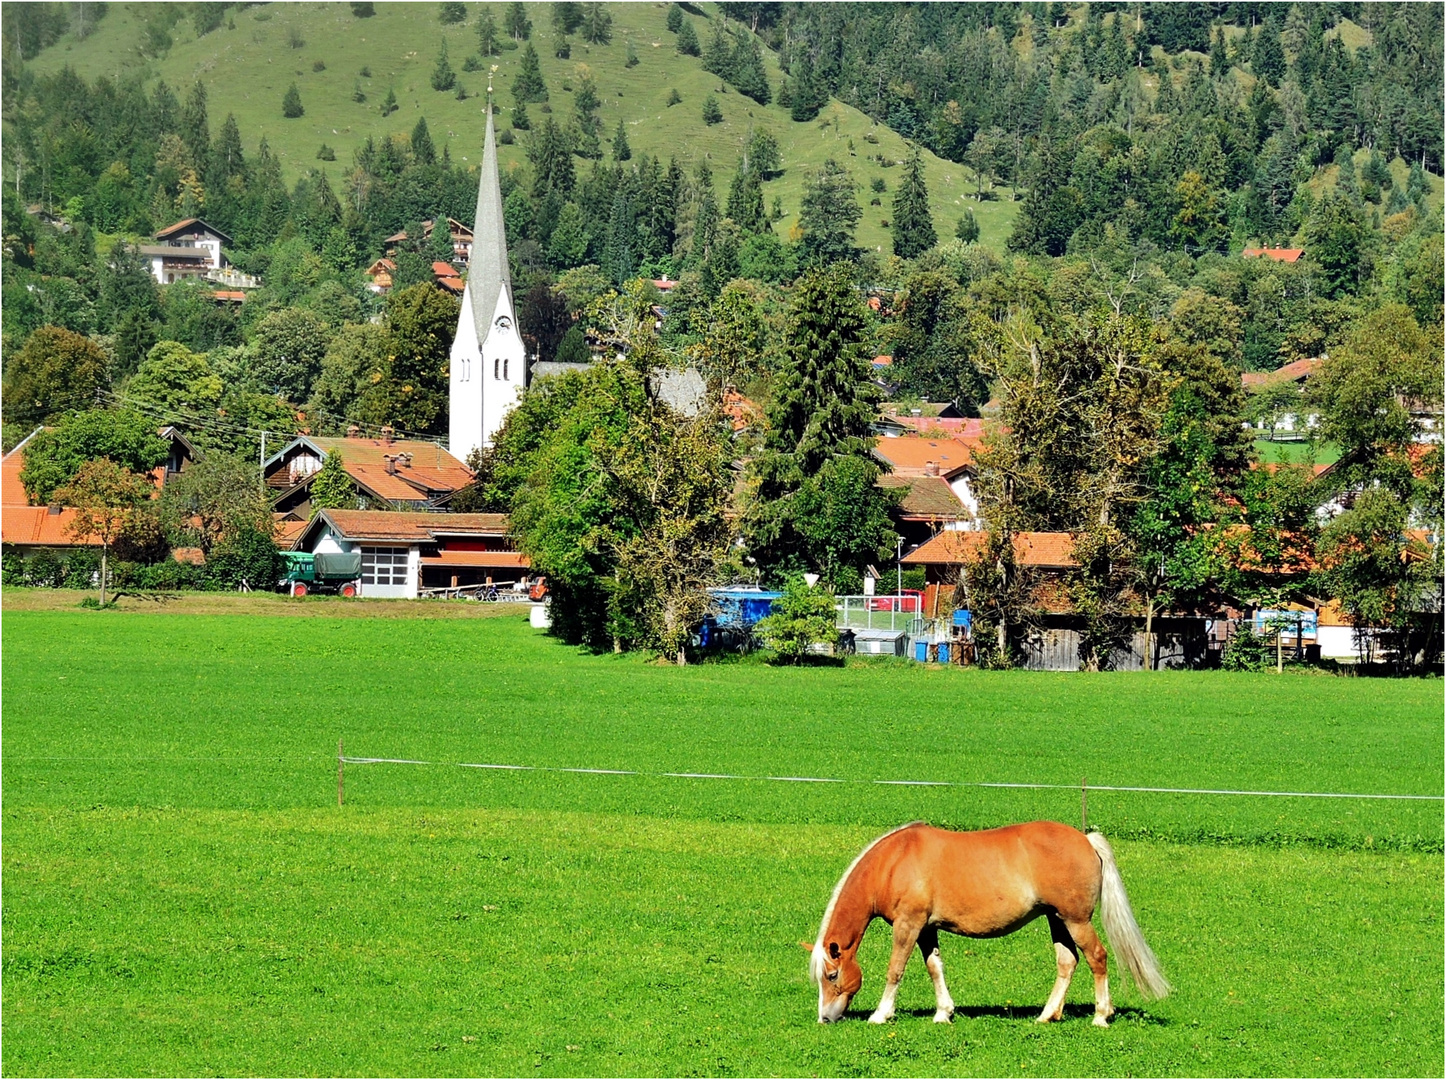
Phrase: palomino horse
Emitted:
{"points": [[979, 884]]}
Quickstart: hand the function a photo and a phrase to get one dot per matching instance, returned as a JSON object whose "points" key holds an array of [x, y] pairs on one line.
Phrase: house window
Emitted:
{"points": [[384, 566]]}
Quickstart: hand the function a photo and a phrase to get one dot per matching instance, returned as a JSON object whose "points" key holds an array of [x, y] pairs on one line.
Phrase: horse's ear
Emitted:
{"points": [[833, 949], [806, 946]]}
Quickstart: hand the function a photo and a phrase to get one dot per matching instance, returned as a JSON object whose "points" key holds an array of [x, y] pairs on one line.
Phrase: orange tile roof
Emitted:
{"points": [[444, 269], [431, 467], [910, 454], [883, 360], [1037, 549], [1291, 372], [1285, 255], [12, 491], [36, 525], [412, 526]]}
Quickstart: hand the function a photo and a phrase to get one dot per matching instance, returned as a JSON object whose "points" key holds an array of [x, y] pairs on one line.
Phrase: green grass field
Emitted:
{"points": [[247, 70], [183, 896]]}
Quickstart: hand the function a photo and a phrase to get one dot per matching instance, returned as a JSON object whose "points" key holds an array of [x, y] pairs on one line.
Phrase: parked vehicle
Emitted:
{"points": [[322, 572]]}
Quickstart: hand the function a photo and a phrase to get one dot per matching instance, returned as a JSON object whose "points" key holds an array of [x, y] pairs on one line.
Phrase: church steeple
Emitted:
{"points": [[489, 275], [488, 366]]}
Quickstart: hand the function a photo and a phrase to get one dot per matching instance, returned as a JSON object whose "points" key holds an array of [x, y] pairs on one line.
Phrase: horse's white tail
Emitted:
{"points": [[1124, 932]]}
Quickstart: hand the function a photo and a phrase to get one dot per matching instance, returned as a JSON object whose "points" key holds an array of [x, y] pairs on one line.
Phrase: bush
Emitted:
{"points": [[1245, 651], [802, 618], [247, 559]]}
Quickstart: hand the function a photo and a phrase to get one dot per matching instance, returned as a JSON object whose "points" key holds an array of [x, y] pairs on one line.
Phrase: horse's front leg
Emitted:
{"points": [[934, 965], [906, 933]]}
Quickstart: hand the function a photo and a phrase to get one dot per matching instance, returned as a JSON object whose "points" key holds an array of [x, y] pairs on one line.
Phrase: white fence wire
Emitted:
{"points": [[893, 783]]}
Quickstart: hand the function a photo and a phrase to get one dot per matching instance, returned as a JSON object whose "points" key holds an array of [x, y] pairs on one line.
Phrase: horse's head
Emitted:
{"points": [[837, 974]]}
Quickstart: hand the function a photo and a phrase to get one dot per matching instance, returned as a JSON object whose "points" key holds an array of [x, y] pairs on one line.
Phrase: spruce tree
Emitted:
{"points": [[443, 77], [968, 229], [912, 226], [718, 56], [597, 25], [687, 39], [291, 103], [621, 150], [487, 33], [528, 86], [1219, 63], [390, 106], [441, 249], [586, 103], [424, 152], [712, 114], [518, 25], [828, 215], [818, 440], [520, 119], [675, 18], [1267, 59], [806, 92], [620, 251], [451, 12], [746, 71]]}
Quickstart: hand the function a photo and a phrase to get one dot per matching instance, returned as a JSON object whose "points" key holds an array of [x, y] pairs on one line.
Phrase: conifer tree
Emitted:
{"points": [[1267, 58], [443, 77], [687, 38], [620, 252], [1219, 64], [424, 152], [912, 226], [816, 506], [390, 105], [712, 114], [828, 214], [806, 92], [968, 230], [528, 86], [675, 18], [291, 103], [586, 103], [621, 150], [718, 56], [597, 25], [520, 120], [517, 24], [487, 33], [451, 12]]}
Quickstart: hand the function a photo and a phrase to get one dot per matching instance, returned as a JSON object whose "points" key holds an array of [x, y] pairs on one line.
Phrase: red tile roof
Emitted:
{"points": [[431, 468], [910, 455], [1285, 255], [1294, 371], [1038, 549], [412, 527], [883, 360], [36, 525], [444, 269]]}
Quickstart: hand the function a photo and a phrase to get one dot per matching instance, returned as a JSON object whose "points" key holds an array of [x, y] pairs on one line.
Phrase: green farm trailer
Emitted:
{"points": [[322, 572]]}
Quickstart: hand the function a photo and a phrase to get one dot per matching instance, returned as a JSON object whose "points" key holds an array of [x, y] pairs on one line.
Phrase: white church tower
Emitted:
{"points": [[489, 360]]}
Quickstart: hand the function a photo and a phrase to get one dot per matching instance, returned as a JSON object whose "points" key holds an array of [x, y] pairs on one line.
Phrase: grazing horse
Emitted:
{"points": [[979, 884]]}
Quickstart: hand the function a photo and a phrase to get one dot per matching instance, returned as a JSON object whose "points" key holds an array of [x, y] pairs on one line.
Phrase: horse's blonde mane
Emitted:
{"points": [[818, 957]]}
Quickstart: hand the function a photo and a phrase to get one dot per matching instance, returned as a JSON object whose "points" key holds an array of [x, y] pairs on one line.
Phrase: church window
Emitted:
{"points": [[504, 368], [496, 368]]}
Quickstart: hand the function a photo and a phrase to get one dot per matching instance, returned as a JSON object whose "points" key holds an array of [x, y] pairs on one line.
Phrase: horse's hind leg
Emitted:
{"points": [[1089, 942], [1066, 957], [906, 932], [934, 964]]}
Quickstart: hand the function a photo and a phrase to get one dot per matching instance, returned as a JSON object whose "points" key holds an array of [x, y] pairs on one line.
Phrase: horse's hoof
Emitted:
{"points": [[943, 1017], [1100, 1021], [878, 1018]]}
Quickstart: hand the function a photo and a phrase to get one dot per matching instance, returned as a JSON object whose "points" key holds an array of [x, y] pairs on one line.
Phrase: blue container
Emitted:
{"points": [[943, 649], [964, 618], [921, 651]]}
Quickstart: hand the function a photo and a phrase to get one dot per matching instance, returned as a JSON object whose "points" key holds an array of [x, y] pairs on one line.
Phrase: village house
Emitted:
{"points": [[388, 473], [24, 527], [407, 555], [1275, 254], [937, 477], [461, 240]]}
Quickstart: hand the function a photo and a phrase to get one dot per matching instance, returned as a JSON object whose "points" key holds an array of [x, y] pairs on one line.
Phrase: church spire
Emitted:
{"points": [[488, 273]]}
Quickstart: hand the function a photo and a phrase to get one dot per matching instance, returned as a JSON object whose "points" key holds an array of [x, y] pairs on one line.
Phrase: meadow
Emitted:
{"points": [[248, 63], [182, 894]]}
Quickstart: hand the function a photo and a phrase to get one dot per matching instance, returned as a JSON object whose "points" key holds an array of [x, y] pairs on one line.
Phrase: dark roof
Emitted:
{"points": [[407, 527], [187, 225]]}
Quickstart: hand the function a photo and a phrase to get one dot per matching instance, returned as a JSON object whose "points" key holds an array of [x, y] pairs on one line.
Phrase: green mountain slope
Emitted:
{"points": [[249, 62]]}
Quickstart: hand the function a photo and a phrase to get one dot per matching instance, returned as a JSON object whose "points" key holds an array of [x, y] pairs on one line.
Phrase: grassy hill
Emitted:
{"points": [[248, 63]]}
